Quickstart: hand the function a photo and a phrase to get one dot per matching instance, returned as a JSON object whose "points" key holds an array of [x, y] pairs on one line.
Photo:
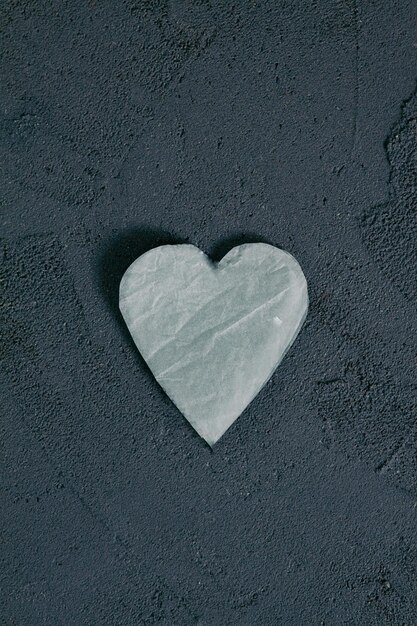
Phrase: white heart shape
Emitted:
{"points": [[213, 334]]}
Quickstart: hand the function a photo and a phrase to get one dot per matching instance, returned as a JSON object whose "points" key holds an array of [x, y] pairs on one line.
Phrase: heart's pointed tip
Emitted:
{"points": [[211, 439], [211, 443]]}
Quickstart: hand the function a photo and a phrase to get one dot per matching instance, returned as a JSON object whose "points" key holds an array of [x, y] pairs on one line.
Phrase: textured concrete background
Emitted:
{"points": [[129, 124]]}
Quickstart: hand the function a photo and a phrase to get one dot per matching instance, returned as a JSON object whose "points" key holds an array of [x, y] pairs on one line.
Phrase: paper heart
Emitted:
{"points": [[213, 333]]}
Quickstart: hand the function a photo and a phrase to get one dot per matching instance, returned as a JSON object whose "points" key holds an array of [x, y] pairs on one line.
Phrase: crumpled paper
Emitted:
{"points": [[213, 333]]}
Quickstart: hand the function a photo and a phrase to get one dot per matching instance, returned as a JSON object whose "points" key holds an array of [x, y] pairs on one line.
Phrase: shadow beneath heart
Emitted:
{"points": [[120, 252], [113, 260]]}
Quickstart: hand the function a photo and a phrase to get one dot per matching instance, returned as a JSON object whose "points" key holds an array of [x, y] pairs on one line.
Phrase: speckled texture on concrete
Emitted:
{"points": [[131, 124]]}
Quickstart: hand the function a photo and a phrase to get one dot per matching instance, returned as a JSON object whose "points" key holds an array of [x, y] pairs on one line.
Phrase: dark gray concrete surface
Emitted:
{"points": [[130, 124]]}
